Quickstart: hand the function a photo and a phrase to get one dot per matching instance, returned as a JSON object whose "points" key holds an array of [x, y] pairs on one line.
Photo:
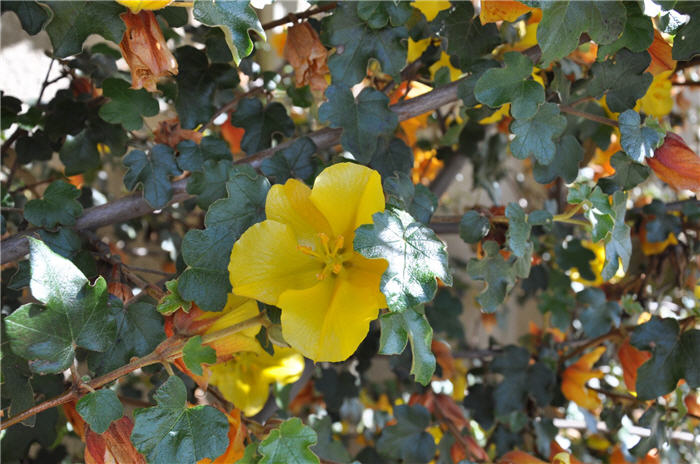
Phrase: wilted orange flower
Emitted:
{"points": [[660, 52], [83, 86], [170, 133], [502, 10], [630, 359], [308, 57], [676, 164], [144, 49], [426, 166], [574, 379]]}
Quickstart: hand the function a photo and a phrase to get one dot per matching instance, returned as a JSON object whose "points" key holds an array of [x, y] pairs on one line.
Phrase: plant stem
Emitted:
{"points": [[589, 116]]}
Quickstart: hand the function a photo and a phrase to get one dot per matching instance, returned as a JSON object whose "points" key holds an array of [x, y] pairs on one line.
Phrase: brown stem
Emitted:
{"points": [[589, 116], [293, 17], [615, 333]]}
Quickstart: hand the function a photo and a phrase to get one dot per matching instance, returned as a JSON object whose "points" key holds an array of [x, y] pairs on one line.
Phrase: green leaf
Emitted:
{"points": [[79, 154], [195, 87], [139, 332], [637, 140], [511, 84], [75, 314], [618, 245], [628, 174], [417, 200], [363, 120], [409, 325], [172, 301], [99, 409], [235, 19], [289, 443], [663, 223], [462, 27], [518, 234], [194, 354], [261, 123], [58, 206], [16, 383], [207, 252], [67, 243], [573, 254], [408, 440], [563, 22], [534, 136], [416, 256], [599, 315], [687, 38], [443, 314], [674, 357], [126, 106], [291, 162], [356, 43], [520, 380], [473, 227], [377, 15], [72, 23], [153, 171], [209, 184], [32, 15], [36, 147], [192, 155], [637, 36], [622, 79], [171, 432], [569, 154], [392, 157], [327, 447], [496, 272]]}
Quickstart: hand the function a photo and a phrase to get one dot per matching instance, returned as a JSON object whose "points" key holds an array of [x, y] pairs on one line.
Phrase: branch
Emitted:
{"points": [[294, 17], [133, 206]]}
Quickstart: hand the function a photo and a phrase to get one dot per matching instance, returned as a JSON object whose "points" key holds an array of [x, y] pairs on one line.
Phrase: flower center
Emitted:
{"points": [[331, 254]]}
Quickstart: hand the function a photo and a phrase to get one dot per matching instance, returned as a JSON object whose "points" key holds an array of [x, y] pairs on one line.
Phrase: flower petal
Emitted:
{"points": [[327, 322], [265, 261], [290, 204], [348, 195], [241, 383]]}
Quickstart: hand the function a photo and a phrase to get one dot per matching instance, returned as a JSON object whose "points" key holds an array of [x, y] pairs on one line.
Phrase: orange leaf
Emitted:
{"points": [[501, 10], [630, 359], [660, 52], [308, 56], [144, 49], [574, 379], [113, 446], [676, 164]]}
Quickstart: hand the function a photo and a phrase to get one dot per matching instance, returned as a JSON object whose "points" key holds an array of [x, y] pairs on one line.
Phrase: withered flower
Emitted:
{"points": [[308, 56], [676, 164], [169, 132], [144, 49]]}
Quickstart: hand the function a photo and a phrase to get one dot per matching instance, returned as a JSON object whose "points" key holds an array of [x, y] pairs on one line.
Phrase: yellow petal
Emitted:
{"points": [[290, 204], [348, 195], [265, 261], [416, 49], [431, 8], [444, 61], [501, 10], [137, 5], [657, 101], [327, 322], [241, 383], [284, 367]]}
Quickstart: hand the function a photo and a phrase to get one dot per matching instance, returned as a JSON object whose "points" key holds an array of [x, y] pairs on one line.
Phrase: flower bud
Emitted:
{"points": [[676, 164]]}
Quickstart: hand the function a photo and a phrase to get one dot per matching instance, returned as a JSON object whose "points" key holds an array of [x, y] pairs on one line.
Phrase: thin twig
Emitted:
{"points": [[589, 116], [45, 83], [293, 17]]}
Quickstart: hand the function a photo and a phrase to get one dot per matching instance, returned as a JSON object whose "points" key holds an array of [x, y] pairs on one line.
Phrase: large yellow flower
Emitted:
{"points": [[245, 380], [301, 259]]}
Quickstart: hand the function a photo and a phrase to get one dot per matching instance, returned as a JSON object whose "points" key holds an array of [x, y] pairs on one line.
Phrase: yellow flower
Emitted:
{"points": [[657, 101], [431, 8], [245, 380], [137, 5], [574, 379], [301, 259], [444, 62]]}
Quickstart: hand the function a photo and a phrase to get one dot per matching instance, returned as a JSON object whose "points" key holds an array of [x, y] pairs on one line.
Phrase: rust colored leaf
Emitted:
{"points": [[308, 56], [676, 164], [144, 49]]}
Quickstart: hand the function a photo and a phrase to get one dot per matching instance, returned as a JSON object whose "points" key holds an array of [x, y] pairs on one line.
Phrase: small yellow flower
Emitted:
{"points": [[301, 259], [657, 101], [245, 380], [137, 5]]}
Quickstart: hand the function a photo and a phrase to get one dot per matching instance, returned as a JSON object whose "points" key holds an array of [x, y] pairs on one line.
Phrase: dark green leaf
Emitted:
{"points": [[687, 39], [67, 243], [193, 155], [599, 315], [363, 120], [289, 443], [72, 23], [511, 84], [637, 140], [443, 314], [194, 354], [409, 325], [58, 206], [392, 157], [153, 171], [261, 123], [76, 314], [638, 34], [291, 162], [207, 252], [328, 447], [32, 15], [16, 385], [418, 200], [416, 256], [126, 106], [569, 155], [628, 174], [575, 255], [462, 27], [674, 357], [209, 184], [79, 154], [408, 440], [622, 79], [171, 432], [35, 147], [520, 379], [563, 22], [99, 409], [139, 332], [377, 15], [518, 230], [618, 245], [496, 272], [473, 227], [336, 388], [534, 136], [195, 87], [356, 43], [235, 19], [662, 224]]}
